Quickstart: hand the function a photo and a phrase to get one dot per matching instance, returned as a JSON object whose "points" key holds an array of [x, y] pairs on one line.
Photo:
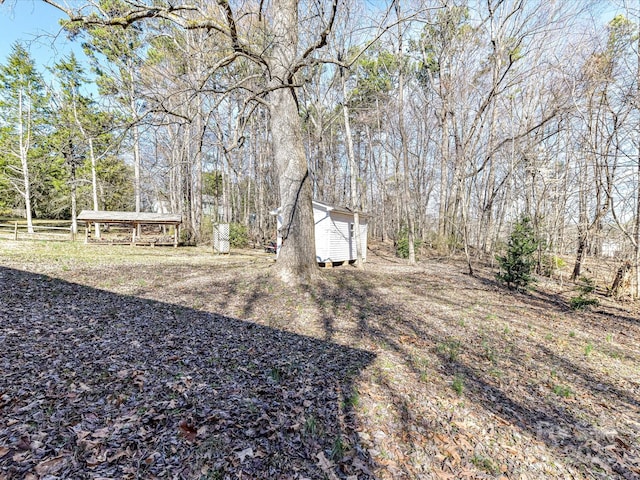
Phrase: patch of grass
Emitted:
{"points": [[251, 407], [489, 352], [337, 449], [614, 354], [552, 263], [352, 400], [580, 303], [588, 349], [422, 365], [382, 344], [384, 454], [572, 334], [458, 384], [486, 464], [387, 364], [562, 391], [276, 374], [213, 475], [450, 349], [586, 287], [311, 425]]}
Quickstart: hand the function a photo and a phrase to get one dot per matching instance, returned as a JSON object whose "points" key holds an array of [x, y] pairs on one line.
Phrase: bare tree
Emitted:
{"points": [[268, 37]]}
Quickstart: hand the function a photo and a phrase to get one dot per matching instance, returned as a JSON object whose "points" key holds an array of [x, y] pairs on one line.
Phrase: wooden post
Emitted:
{"points": [[133, 234], [176, 232], [15, 231], [87, 226]]}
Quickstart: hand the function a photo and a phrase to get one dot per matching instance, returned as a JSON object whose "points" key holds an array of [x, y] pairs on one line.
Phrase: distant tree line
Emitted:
{"points": [[60, 151]]}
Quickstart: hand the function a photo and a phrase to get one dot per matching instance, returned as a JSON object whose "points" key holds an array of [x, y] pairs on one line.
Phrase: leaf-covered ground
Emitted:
{"points": [[119, 362]]}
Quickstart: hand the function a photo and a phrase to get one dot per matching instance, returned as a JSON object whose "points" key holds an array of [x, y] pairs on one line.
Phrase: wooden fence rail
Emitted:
{"points": [[18, 231]]}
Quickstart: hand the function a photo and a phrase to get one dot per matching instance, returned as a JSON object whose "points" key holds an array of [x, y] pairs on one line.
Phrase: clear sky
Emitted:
{"points": [[35, 24]]}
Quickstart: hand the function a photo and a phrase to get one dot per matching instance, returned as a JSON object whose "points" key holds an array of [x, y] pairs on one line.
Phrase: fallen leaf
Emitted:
{"points": [[188, 431], [83, 387], [100, 433], [4, 451], [51, 466], [21, 457], [443, 475], [96, 460], [121, 453], [453, 453], [24, 443], [326, 466], [138, 379], [247, 452], [359, 465]]}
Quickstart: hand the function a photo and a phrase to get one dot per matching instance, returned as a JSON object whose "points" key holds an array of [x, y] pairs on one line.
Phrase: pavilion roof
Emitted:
{"points": [[101, 216]]}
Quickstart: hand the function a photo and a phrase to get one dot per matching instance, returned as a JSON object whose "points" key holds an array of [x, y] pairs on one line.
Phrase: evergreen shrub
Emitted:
{"points": [[517, 265], [238, 235], [402, 243]]}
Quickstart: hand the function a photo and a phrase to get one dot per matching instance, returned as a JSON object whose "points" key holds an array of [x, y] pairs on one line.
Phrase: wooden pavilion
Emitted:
{"points": [[132, 220]]}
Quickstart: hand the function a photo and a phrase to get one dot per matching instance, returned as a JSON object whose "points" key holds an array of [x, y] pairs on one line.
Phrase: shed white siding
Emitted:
{"points": [[334, 234], [323, 226], [341, 237]]}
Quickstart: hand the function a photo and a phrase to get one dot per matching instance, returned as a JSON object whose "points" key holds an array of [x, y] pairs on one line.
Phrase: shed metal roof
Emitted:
{"points": [[101, 216], [328, 208]]}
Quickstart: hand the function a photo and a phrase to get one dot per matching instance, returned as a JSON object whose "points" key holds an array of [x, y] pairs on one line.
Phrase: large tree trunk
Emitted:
{"points": [[297, 259], [580, 255], [621, 280]]}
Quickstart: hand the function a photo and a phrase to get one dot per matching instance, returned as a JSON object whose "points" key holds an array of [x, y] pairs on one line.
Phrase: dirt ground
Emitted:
{"points": [[121, 362]]}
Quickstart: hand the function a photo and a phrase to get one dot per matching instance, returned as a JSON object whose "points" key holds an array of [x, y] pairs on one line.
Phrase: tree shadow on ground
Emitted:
{"points": [[618, 315], [97, 384], [533, 408]]}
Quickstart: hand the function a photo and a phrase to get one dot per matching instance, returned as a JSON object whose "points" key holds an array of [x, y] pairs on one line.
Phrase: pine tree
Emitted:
{"points": [[518, 263], [23, 113]]}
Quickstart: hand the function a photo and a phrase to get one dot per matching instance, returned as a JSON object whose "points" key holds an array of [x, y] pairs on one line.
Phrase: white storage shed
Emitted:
{"points": [[335, 233]]}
